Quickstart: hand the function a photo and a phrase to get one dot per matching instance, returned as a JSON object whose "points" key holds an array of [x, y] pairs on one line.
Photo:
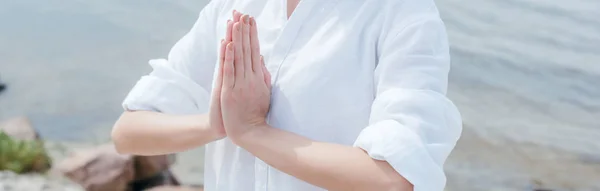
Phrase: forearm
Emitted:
{"points": [[330, 166], [152, 133]]}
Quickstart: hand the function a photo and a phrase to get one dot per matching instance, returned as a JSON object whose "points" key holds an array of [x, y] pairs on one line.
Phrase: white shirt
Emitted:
{"points": [[367, 73]]}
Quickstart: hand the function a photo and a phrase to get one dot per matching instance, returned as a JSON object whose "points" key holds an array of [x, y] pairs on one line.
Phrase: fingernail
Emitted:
{"points": [[222, 40], [246, 17], [252, 21]]}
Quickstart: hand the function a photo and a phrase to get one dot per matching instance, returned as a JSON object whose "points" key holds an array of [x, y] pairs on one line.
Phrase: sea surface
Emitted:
{"points": [[525, 76]]}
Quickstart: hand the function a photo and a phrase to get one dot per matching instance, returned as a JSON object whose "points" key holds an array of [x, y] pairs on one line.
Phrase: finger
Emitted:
{"points": [[239, 53], [222, 51], [228, 67], [246, 45], [266, 73], [221, 61], [236, 16], [255, 48], [229, 28], [219, 79]]}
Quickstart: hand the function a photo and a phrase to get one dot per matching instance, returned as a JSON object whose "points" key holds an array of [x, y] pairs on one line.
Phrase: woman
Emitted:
{"points": [[350, 95]]}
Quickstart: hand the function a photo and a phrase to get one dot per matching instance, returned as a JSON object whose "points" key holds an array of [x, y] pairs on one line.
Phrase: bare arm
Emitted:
{"points": [[144, 132], [153, 133], [330, 166]]}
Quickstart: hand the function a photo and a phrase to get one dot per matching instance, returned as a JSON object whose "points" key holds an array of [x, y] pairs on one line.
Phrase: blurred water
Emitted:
{"points": [[70, 63], [528, 68], [525, 76]]}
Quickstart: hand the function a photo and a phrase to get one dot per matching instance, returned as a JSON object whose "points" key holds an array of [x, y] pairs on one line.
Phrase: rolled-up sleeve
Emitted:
{"points": [[413, 125], [182, 83]]}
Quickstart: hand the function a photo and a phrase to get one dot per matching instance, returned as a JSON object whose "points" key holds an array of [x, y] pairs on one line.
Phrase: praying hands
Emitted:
{"points": [[242, 96]]}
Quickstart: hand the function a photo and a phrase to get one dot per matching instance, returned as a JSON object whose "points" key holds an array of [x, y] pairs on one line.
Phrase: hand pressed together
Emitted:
{"points": [[215, 114], [244, 83]]}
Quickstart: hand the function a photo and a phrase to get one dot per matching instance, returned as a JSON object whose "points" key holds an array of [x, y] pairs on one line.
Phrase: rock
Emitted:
{"points": [[19, 128], [152, 171], [148, 166], [90, 169], [164, 178], [174, 188], [99, 169]]}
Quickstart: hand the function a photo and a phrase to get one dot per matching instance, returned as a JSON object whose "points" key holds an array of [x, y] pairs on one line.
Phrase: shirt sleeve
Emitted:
{"points": [[181, 84], [413, 125]]}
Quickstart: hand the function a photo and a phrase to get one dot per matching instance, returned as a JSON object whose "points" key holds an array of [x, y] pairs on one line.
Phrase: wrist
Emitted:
{"points": [[204, 128], [255, 131]]}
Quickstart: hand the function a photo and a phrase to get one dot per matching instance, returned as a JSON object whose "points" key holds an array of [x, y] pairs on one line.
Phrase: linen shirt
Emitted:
{"points": [[366, 73]]}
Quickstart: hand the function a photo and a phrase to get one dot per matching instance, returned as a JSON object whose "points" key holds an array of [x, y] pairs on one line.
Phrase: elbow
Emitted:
{"points": [[119, 137]]}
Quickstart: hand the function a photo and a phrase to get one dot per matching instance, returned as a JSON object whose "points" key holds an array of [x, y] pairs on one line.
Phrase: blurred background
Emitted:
{"points": [[525, 76]]}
